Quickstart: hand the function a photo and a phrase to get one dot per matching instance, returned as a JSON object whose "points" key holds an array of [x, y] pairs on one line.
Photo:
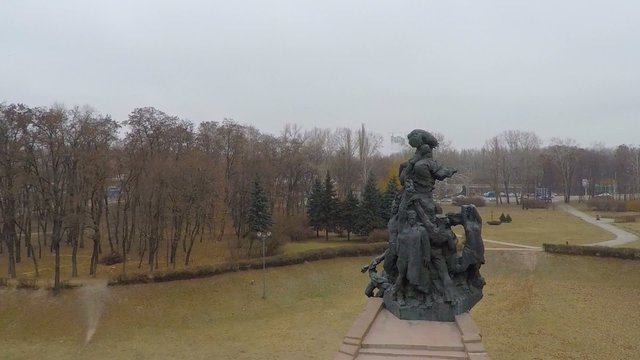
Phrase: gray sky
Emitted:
{"points": [[468, 69]]}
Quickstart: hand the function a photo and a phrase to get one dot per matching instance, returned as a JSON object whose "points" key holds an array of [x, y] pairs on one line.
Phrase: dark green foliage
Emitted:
{"points": [[503, 218], [388, 197], [259, 216], [314, 205], [349, 214], [508, 219], [370, 216], [329, 207]]}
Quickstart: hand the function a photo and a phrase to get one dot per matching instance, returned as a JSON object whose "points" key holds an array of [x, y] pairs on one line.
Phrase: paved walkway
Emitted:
{"points": [[622, 236], [513, 246]]}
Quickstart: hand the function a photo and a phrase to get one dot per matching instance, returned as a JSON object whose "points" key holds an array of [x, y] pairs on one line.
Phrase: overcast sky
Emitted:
{"points": [[468, 69]]}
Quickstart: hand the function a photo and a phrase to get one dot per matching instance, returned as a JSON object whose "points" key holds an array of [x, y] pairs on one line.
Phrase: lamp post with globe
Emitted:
{"points": [[264, 236]]}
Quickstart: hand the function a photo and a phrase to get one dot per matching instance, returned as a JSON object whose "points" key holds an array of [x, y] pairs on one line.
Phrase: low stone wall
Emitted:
{"points": [[601, 251], [271, 261]]}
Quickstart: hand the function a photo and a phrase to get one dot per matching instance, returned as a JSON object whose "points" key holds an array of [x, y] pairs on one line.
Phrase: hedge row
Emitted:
{"points": [[478, 201], [272, 261], [601, 251]]}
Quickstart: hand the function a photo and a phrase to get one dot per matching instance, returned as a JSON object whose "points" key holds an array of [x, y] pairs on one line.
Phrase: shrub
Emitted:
{"points": [[65, 284], [494, 222], [174, 275], [111, 259], [503, 218], [293, 228], [624, 219], [469, 200], [535, 204], [30, 284], [508, 219], [299, 233], [378, 235], [128, 279], [632, 205], [603, 251], [606, 203], [271, 261], [274, 246]]}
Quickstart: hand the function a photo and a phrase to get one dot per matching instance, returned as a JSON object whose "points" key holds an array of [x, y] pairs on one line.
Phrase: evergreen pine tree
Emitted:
{"points": [[370, 215], [314, 206], [388, 197], [328, 206], [259, 216], [349, 214]]}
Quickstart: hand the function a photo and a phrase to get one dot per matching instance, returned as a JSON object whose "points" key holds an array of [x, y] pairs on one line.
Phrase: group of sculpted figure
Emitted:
{"points": [[425, 275]]}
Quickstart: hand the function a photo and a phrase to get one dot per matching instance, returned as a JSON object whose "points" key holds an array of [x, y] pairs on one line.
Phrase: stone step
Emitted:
{"points": [[411, 353], [397, 357], [390, 346]]}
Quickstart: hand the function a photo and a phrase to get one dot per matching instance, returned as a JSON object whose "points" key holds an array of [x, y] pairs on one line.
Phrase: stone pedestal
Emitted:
{"points": [[436, 309], [377, 334]]}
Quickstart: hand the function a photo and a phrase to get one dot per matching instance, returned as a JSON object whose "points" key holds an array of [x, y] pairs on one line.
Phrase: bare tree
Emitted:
{"points": [[522, 152], [494, 154], [368, 145], [14, 120], [564, 155], [47, 155]]}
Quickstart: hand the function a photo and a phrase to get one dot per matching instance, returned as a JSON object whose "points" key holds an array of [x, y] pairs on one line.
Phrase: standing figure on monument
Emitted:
{"points": [[418, 176], [390, 267], [414, 253]]}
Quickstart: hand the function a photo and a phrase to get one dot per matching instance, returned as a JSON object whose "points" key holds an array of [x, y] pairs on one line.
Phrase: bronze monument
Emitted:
{"points": [[425, 276]]}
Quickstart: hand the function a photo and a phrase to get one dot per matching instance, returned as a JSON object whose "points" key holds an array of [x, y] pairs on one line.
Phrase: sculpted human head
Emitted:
{"points": [[411, 217], [395, 204], [419, 137]]}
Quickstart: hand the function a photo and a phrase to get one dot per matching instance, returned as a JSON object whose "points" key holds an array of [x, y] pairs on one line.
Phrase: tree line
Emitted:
{"points": [[352, 214], [155, 185]]}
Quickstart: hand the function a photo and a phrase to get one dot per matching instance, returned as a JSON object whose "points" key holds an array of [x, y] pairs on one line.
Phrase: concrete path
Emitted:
{"points": [[519, 246], [622, 236]]}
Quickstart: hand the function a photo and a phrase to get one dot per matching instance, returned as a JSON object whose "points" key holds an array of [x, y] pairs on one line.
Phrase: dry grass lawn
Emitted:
{"points": [[205, 253], [634, 228], [536, 306], [537, 226], [529, 227]]}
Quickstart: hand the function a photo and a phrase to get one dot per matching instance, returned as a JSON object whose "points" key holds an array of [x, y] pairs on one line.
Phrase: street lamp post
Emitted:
{"points": [[263, 237]]}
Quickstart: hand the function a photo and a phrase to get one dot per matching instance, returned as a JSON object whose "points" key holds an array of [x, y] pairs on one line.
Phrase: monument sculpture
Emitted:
{"points": [[425, 275]]}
